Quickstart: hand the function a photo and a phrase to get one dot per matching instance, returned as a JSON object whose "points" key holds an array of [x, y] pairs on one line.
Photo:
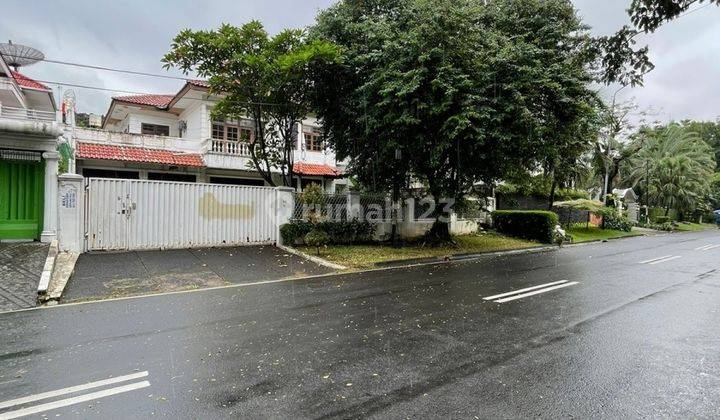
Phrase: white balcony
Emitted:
{"points": [[26, 114], [178, 144], [224, 154]]}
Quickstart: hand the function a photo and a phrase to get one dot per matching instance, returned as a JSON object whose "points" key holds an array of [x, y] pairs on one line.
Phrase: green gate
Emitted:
{"points": [[21, 194]]}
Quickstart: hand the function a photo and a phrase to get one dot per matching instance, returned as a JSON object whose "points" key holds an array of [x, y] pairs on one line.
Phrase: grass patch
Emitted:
{"points": [[694, 227], [365, 256], [580, 233]]}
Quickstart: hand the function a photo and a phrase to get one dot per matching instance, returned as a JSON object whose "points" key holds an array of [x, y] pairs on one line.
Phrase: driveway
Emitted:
{"points": [[108, 275], [21, 265]]}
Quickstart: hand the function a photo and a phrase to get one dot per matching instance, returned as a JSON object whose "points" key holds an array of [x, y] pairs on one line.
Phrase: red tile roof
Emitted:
{"points": [[200, 83], [27, 82], [303, 168], [158, 101], [137, 154]]}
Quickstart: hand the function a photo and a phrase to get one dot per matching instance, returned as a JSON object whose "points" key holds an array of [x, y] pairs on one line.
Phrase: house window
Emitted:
{"points": [[313, 140], [155, 129], [231, 132]]}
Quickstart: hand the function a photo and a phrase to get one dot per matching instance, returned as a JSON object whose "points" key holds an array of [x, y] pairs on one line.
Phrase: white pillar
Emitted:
{"points": [[50, 207], [71, 230], [284, 208], [353, 205]]}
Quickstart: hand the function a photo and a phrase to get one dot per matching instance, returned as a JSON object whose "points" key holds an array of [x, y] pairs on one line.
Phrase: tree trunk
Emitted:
{"points": [[552, 193]]}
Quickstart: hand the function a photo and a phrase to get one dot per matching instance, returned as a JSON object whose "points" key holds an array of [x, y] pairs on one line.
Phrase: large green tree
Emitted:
{"points": [[267, 79], [454, 92]]}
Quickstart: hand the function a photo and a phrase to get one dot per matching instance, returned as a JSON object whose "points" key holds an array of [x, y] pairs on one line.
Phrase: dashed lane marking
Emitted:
{"points": [[527, 289], [26, 411]]}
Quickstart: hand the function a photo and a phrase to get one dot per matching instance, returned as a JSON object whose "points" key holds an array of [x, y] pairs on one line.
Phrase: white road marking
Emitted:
{"points": [[74, 400], [536, 292], [71, 389], [527, 289], [655, 259], [665, 260], [707, 247]]}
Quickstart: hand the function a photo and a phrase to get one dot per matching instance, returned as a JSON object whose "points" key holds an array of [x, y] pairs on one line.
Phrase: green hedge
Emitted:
{"points": [[613, 221], [530, 224], [345, 232]]}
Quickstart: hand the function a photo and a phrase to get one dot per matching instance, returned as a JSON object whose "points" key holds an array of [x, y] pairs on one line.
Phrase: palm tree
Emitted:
{"points": [[675, 166]]}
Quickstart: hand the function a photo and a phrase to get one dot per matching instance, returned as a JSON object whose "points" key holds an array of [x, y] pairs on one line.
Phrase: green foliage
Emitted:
{"points": [[592, 206], [339, 233], [467, 91], [539, 187], [66, 155], [291, 232], [317, 238], [534, 225], [614, 221], [662, 219], [267, 79], [348, 232], [676, 166]]}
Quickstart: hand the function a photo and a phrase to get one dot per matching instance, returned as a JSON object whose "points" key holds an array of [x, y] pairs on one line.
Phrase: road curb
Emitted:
{"points": [[316, 260], [464, 257], [47, 269]]}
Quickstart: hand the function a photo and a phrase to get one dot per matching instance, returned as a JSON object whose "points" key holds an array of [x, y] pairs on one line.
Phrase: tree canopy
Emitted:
{"points": [[467, 91], [264, 78]]}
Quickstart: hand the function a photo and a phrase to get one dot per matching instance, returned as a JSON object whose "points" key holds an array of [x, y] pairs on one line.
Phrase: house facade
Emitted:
{"points": [[174, 138], [28, 158]]}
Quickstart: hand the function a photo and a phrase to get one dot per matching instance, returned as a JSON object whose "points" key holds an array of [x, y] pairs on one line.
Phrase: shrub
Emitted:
{"points": [[534, 225], [662, 219], [291, 232], [345, 232], [348, 232], [317, 238], [613, 221]]}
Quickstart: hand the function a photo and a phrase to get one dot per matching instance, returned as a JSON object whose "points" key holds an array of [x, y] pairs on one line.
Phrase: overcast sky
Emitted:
{"points": [[134, 34]]}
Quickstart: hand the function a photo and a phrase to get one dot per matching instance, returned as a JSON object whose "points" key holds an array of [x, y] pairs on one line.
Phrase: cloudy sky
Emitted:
{"points": [[134, 34]]}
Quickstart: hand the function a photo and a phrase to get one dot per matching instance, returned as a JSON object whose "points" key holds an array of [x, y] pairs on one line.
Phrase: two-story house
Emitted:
{"points": [[28, 158], [174, 138]]}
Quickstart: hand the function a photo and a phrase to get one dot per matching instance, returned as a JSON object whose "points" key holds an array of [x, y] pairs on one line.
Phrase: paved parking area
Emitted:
{"points": [[108, 275], [21, 265]]}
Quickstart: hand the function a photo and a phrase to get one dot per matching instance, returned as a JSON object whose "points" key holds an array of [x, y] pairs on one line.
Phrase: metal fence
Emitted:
{"points": [[136, 214], [338, 207]]}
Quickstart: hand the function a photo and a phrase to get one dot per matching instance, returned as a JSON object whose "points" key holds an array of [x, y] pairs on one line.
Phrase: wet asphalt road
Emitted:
{"points": [[628, 340]]}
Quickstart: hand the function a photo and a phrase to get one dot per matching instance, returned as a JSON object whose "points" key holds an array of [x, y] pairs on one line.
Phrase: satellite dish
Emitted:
{"points": [[17, 55]]}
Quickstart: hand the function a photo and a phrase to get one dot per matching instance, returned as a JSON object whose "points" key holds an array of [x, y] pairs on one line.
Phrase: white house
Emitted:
{"points": [[28, 158], [173, 138]]}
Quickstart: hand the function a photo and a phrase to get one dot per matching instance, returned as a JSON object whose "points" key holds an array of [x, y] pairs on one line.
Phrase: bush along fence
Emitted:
{"points": [[527, 224], [355, 218]]}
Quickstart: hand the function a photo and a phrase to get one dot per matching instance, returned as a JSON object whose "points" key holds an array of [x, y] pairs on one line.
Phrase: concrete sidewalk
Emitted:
{"points": [[109, 275], [21, 265]]}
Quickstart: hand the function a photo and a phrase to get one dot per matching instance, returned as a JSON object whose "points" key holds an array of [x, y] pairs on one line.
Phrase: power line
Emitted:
{"points": [[116, 70], [145, 93]]}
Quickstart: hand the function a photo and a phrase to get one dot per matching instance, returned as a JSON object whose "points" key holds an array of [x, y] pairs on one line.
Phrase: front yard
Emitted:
{"points": [[366, 256], [694, 227], [580, 233]]}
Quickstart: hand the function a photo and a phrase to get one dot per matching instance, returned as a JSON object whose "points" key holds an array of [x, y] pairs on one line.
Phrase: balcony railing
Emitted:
{"points": [[26, 114], [92, 135], [227, 147]]}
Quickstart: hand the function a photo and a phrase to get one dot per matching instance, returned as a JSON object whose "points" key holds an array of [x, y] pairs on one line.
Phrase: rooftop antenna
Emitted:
{"points": [[18, 55]]}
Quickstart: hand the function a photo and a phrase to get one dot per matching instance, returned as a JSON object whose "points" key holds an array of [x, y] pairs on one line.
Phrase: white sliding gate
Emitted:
{"points": [[125, 214]]}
